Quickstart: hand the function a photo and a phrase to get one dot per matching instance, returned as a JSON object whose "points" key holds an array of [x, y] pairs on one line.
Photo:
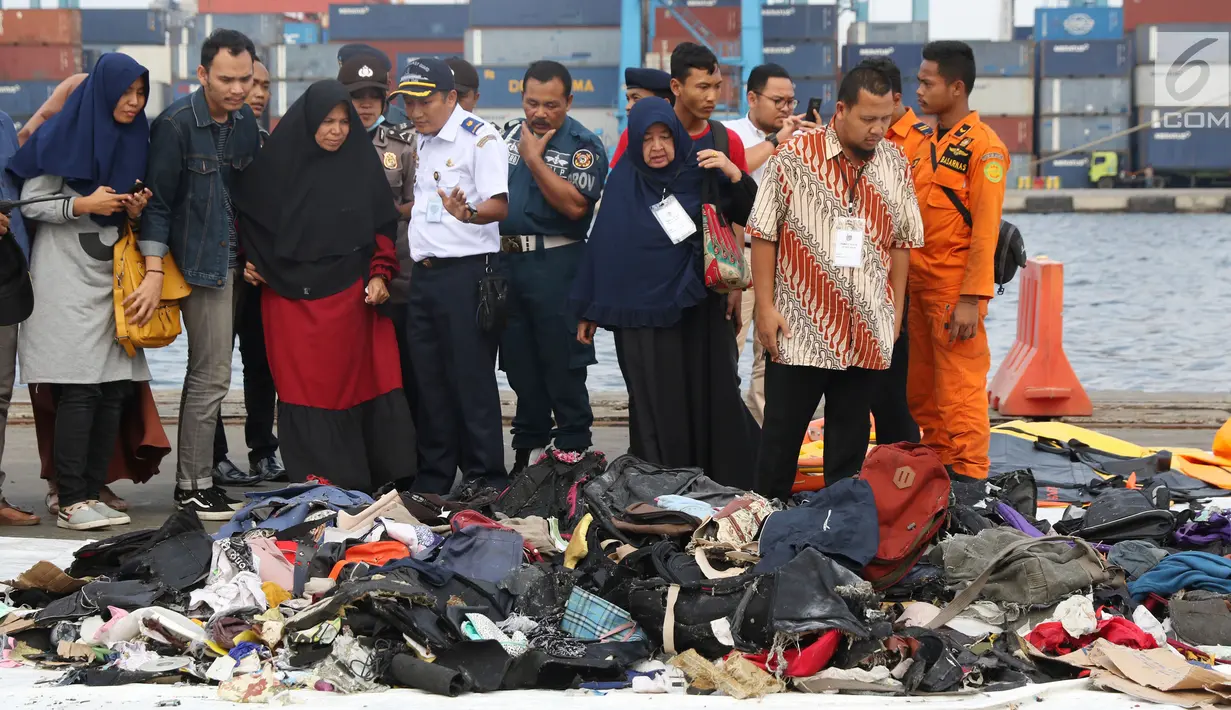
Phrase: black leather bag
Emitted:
{"points": [[493, 301]]}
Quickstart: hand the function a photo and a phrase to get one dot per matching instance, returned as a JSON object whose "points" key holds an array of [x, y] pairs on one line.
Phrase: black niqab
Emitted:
{"points": [[308, 217]]}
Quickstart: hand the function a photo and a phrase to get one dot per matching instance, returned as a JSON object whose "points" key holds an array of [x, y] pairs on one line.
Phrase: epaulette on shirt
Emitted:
{"points": [[473, 126], [923, 128], [404, 132]]}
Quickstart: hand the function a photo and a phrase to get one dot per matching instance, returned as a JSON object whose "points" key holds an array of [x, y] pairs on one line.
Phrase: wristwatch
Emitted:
{"points": [[772, 139], [471, 213]]}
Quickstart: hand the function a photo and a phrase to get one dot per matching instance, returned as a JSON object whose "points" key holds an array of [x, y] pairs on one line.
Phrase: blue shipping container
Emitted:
{"points": [[405, 57], [1003, 58], [824, 89], [1073, 169], [263, 30], [1078, 23], [798, 22], [1179, 141], [544, 13], [593, 87], [1090, 58], [123, 27], [818, 58], [910, 92], [301, 33], [1061, 133], [1023, 34], [396, 22], [906, 56], [23, 98]]}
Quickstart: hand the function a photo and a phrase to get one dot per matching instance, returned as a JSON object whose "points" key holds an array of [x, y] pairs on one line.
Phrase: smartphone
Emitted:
{"points": [[814, 108], [138, 186]]}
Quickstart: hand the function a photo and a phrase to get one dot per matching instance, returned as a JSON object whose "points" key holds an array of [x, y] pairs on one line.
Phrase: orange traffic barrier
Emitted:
{"points": [[1036, 380]]}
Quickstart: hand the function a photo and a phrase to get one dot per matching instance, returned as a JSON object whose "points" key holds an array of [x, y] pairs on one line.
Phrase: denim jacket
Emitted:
{"points": [[186, 215]]}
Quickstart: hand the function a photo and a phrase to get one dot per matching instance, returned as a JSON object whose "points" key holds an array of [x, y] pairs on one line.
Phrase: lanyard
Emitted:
{"points": [[854, 190]]}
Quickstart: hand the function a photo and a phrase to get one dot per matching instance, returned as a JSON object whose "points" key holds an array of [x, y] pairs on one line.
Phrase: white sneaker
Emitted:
{"points": [[114, 516], [536, 455], [81, 517]]}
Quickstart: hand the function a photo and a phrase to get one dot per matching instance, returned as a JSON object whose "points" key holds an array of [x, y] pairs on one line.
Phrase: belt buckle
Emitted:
{"points": [[511, 245], [426, 263]]}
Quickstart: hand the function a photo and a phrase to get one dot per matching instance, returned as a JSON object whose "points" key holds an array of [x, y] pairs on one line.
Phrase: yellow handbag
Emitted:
{"points": [[164, 327]]}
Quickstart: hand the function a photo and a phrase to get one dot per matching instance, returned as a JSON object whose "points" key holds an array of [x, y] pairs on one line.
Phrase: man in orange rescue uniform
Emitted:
{"points": [[959, 179]]}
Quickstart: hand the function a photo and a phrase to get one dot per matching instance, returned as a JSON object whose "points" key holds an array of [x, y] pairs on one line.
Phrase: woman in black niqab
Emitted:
{"points": [[317, 226]]}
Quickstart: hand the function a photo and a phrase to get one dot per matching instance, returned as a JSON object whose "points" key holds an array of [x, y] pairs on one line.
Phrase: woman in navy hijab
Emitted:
{"points": [[674, 342], [91, 154]]}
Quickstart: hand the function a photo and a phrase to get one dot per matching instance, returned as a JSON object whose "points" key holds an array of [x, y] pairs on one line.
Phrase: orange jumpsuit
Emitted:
{"points": [[908, 133], [947, 385]]}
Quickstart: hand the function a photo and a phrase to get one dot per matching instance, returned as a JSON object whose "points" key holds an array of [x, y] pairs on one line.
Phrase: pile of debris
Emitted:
{"points": [[627, 575]]}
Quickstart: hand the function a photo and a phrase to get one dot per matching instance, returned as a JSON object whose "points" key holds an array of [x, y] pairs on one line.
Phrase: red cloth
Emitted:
{"points": [[337, 352], [804, 663], [737, 147], [1050, 637]]}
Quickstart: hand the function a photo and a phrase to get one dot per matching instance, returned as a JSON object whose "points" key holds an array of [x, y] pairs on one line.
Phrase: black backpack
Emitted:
{"points": [[1010, 247]]}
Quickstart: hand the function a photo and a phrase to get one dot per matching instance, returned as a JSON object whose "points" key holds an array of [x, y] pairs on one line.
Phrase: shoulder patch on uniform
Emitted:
{"points": [[403, 133], [994, 172], [583, 159], [473, 125], [966, 141], [993, 156], [923, 128], [962, 130], [484, 140]]}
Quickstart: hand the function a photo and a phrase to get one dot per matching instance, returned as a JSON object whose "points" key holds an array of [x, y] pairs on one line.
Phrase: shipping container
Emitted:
{"points": [[593, 87], [301, 33], [359, 23], [158, 100], [123, 27], [1154, 85], [404, 59], [1146, 38], [1157, 12], [263, 30], [38, 63], [1023, 34], [824, 89], [1194, 141], [1078, 23], [543, 13], [1091, 58], [1003, 58], [799, 22], [303, 62], [665, 44], [887, 33], [803, 58], [1059, 133], [598, 46], [270, 7], [1017, 132], [24, 98], [1074, 169], [284, 93], [1090, 97], [185, 58], [180, 89], [156, 59], [57, 27], [908, 57], [723, 22], [403, 52], [1019, 167], [910, 92], [1003, 96]]}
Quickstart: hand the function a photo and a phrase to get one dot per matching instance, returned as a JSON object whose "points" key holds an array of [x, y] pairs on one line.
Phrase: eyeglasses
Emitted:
{"points": [[780, 102]]}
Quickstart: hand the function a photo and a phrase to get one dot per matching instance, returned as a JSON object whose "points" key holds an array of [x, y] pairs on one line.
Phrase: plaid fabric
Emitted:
{"points": [[595, 619]]}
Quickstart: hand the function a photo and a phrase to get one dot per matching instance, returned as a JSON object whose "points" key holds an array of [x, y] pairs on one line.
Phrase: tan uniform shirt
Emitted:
{"points": [[395, 146]]}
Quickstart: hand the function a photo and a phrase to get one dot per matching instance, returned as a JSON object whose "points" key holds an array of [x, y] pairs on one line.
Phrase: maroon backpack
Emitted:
{"points": [[911, 488]]}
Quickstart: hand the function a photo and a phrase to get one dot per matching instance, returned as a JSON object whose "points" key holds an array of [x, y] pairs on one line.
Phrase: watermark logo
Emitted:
{"points": [[1192, 69]]}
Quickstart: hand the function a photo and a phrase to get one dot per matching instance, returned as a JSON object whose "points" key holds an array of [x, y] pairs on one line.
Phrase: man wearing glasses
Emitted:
{"points": [[771, 99]]}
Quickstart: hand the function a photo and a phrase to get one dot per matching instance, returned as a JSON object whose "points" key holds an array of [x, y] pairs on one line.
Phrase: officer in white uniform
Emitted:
{"points": [[461, 194]]}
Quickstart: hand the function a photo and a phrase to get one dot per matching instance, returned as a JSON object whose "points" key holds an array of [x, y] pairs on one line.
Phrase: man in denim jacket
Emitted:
{"points": [[197, 147]]}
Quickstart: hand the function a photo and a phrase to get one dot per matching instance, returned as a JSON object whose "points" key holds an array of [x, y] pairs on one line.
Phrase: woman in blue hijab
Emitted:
{"points": [[641, 279], [91, 154]]}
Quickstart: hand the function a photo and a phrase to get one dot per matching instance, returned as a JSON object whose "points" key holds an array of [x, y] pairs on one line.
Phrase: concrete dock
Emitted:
{"points": [[1158, 201]]}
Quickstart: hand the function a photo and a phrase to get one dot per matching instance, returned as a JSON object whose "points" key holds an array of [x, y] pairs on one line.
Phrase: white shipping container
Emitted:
{"points": [[1003, 96], [1091, 97], [1150, 87], [155, 58], [159, 98], [886, 33], [521, 46], [1019, 167], [184, 62], [284, 93], [303, 61]]}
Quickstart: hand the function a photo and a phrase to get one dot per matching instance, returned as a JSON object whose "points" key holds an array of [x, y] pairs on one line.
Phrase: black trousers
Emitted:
{"points": [[87, 425], [792, 394], [539, 352], [260, 396], [894, 423], [458, 400]]}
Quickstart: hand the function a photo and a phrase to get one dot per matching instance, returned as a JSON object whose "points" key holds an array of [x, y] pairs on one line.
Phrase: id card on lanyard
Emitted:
{"points": [[674, 219], [850, 231]]}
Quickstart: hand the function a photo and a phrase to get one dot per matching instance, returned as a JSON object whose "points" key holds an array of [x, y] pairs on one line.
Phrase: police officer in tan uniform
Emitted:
{"points": [[367, 81]]}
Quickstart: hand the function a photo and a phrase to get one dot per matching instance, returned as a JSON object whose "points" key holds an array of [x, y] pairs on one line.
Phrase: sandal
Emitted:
{"points": [[112, 500], [53, 503]]}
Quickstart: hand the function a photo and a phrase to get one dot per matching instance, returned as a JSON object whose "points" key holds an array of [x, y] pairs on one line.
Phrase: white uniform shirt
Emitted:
{"points": [[467, 153], [751, 136]]}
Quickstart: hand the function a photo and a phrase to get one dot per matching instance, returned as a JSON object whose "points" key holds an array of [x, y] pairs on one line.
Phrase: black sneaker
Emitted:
{"points": [[268, 469], [222, 493], [208, 503], [520, 462], [228, 474]]}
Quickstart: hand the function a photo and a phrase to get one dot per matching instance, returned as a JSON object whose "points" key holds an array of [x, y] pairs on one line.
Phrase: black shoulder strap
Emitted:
{"points": [[957, 201], [722, 141]]}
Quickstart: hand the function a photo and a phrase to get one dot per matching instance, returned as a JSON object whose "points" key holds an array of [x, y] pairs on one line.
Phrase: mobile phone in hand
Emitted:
{"points": [[814, 110], [137, 187]]}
